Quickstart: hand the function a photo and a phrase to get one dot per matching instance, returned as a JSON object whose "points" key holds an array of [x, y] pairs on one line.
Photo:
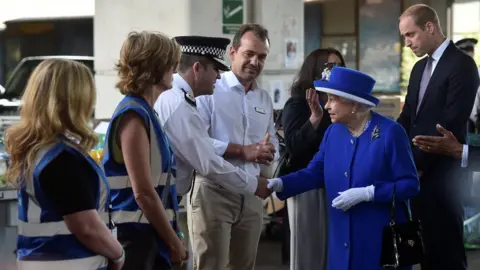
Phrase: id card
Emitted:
{"points": [[259, 110], [114, 232]]}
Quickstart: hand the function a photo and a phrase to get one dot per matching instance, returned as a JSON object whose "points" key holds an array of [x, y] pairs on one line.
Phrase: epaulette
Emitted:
{"points": [[189, 98]]}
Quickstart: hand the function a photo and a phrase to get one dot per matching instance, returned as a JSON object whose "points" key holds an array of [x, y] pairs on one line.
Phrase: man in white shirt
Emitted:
{"points": [[227, 225], [201, 60]]}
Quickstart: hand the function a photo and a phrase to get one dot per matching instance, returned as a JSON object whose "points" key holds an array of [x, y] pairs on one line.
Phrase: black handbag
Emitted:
{"points": [[402, 243]]}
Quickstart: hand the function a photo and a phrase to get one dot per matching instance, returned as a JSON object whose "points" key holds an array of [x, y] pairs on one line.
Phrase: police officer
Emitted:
{"points": [[198, 70], [468, 46]]}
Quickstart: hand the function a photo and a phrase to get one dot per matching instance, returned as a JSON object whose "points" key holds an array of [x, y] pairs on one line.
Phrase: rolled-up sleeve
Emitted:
{"points": [[220, 147], [191, 143], [204, 109]]}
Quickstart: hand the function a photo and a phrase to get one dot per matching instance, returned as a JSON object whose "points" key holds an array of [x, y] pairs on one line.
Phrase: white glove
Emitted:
{"points": [[275, 184], [352, 197]]}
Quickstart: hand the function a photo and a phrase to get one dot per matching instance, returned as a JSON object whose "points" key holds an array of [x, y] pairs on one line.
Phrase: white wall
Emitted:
{"points": [[10, 10], [114, 19], [466, 17]]}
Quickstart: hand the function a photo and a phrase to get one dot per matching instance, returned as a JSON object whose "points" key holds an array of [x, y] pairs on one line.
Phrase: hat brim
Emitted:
{"points": [[221, 64], [331, 89]]}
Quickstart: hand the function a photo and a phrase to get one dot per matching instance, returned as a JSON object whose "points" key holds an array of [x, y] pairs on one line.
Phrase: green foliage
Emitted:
{"points": [[477, 48], [408, 60]]}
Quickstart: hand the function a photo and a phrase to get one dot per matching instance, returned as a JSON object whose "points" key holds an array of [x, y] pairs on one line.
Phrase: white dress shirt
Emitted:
{"points": [[192, 144], [476, 105], [234, 116], [437, 54], [464, 162]]}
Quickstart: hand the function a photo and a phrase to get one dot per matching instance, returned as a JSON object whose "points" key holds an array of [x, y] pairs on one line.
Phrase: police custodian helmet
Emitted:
{"points": [[467, 44], [210, 47]]}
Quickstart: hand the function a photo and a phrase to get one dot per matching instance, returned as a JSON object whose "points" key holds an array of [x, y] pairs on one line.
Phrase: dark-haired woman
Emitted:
{"points": [[304, 125]]}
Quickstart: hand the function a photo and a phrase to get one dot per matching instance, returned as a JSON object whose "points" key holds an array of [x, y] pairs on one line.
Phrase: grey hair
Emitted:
{"points": [[362, 107]]}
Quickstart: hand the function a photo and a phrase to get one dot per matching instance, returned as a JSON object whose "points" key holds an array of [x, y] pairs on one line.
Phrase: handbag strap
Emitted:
{"points": [[278, 121], [408, 213]]}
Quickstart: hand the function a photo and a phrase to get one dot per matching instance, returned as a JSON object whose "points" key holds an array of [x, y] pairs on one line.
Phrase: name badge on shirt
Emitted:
{"points": [[259, 110]]}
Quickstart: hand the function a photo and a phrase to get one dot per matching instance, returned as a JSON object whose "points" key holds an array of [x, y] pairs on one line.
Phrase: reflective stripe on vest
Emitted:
{"points": [[95, 262], [48, 228], [42, 233], [124, 207]]}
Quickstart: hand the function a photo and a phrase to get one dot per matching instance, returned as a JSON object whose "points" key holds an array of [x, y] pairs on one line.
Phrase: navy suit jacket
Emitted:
{"points": [[448, 101]]}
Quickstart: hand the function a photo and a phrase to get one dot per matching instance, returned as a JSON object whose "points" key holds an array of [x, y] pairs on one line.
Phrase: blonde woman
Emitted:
{"points": [[63, 196], [137, 156]]}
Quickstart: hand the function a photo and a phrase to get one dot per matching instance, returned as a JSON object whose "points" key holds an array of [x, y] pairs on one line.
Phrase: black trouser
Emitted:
{"points": [[439, 208], [141, 250]]}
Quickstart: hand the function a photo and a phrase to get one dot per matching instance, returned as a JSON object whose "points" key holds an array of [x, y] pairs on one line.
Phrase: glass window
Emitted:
{"points": [[17, 83]]}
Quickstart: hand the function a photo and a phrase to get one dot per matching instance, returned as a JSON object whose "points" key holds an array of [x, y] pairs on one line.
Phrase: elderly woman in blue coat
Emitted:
{"points": [[362, 157]]}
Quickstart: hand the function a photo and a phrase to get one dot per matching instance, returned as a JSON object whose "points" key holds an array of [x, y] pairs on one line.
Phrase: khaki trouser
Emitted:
{"points": [[224, 227]]}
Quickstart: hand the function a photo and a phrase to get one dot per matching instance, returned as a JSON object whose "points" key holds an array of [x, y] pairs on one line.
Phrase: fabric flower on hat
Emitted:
{"points": [[326, 74]]}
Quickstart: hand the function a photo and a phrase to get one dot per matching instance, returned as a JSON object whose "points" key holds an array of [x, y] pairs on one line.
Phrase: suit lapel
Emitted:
{"points": [[438, 73]]}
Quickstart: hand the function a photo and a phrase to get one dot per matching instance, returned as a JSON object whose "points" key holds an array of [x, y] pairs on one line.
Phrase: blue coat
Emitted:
{"points": [[344, 162]]}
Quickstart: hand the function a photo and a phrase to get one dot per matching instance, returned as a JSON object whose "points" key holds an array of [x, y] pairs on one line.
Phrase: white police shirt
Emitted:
{"points": [[235, 116], [192, 145]]}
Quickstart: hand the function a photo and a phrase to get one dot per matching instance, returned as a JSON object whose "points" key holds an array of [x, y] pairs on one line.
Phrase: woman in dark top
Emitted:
{"points": [[63, 199], [304, 123]]}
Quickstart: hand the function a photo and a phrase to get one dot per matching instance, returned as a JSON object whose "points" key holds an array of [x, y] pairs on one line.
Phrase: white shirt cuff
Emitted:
{"points": [[464, 163], [252, 184], [220, 147]]}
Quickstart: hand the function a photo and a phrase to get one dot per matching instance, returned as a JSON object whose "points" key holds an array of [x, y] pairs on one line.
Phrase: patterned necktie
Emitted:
{"points": [[427, 74]]}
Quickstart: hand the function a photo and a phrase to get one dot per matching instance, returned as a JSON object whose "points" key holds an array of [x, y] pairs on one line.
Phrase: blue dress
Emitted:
{"points": [[381, 156]]}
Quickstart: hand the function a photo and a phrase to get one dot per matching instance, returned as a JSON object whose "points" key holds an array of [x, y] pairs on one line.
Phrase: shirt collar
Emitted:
{"points": [[440, 50], [180, 83], [233, 82]]}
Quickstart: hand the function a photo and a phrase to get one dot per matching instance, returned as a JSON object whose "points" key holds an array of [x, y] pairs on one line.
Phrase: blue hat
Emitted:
{"points": [[348, 83]]}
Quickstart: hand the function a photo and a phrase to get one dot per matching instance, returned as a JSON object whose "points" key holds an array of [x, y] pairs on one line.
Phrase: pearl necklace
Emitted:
{"points": [[361, 130]]}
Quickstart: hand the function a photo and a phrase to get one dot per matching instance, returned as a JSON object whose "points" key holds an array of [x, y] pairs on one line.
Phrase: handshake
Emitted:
{"points": [[266, 186], [262, 188], [262, 153]]}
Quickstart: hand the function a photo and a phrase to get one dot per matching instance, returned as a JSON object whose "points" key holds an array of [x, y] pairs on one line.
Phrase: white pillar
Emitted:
{"points": [[284, 21], [441, 7], [114, 19]]}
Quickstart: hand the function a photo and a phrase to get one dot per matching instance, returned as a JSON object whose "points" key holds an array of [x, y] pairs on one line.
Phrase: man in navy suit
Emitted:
{"points": [[442, 90]]}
